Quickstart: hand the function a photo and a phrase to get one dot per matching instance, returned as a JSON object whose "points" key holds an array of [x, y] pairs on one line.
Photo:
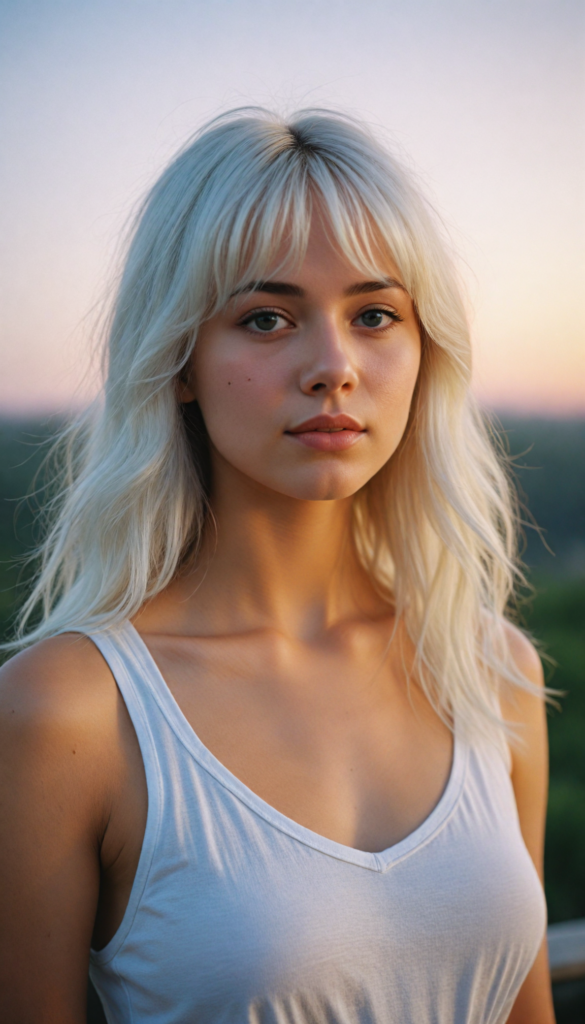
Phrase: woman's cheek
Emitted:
{"points": [[240, 406], [394, 377]]}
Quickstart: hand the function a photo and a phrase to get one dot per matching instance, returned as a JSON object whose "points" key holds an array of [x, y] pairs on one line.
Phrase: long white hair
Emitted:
{"points": [[435, 527]]}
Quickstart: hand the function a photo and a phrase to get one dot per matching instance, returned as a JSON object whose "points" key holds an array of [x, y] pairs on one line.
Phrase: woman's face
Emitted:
{"points": [[305, 382]]}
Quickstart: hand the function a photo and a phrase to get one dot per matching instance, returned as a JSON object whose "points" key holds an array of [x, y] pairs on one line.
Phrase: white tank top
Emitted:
{"points": [[238, 914]]}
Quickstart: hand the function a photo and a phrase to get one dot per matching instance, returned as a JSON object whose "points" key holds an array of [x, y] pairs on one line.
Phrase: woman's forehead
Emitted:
{"points": [[366, 253]]}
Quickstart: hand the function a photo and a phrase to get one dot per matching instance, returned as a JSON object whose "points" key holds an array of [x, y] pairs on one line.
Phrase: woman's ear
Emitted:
{"points": [[184, 385]]}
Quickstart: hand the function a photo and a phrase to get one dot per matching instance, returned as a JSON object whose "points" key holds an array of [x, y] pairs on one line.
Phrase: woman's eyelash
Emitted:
{"points": [[381, 309], [259, 312]]}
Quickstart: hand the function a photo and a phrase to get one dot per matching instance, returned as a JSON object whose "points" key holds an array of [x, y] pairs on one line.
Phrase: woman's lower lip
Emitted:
{"points": [[325, 441]]}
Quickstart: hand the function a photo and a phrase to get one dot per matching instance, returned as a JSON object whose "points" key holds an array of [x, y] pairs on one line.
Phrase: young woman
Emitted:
{"points": [[273, 751]]}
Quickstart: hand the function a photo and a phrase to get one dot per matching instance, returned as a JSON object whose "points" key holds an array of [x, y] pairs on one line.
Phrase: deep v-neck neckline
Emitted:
{"points": [[381, 861]]}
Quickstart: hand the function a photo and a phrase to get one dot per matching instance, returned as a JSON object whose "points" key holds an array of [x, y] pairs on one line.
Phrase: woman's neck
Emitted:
{"points": [[267, 560]]}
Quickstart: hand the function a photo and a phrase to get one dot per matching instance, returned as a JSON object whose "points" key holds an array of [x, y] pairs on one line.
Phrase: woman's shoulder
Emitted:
{"points": [[62, 676], [58, 706], [60, 775], [523, 708], [524, 654]]}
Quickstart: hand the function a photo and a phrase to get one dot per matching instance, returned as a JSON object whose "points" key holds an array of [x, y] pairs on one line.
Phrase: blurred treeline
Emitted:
{"points": [[549, 458]]}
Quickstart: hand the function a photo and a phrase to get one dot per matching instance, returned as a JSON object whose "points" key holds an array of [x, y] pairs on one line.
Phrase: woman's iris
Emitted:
{"points": [[372, 318], [266, 321]]}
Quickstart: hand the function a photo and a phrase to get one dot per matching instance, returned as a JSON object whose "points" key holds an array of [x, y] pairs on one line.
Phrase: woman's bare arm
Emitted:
{"points": [[56, 762], [530, 780]]}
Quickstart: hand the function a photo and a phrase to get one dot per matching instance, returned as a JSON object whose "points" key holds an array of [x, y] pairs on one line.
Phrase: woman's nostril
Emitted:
{"points": [[317, 387]]}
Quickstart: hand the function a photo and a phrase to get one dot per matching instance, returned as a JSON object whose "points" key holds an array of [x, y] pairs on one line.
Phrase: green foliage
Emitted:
{"points": [[548, 457], [23, 445]]}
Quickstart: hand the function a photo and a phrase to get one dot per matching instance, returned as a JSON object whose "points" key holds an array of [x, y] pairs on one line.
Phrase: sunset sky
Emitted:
{"points": [[484, 98]]}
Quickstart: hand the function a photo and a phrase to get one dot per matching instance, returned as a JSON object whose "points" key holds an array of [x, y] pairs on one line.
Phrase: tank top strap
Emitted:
{"points": [[128, 661], [134, 677]]}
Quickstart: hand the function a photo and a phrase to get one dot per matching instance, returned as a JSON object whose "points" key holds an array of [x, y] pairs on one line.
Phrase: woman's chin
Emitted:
{"points": [[321, 487]]}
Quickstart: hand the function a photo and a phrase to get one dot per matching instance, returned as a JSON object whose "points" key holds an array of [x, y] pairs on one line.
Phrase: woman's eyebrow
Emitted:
{"points": [[373, 286], [272, 287], [284, 288]]}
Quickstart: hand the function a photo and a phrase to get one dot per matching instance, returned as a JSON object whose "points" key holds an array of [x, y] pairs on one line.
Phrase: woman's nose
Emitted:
{"points": [[328, 366]]}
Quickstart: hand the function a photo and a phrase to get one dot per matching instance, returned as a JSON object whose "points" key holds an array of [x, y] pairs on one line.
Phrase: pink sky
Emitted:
{"points": [[486, 100]]}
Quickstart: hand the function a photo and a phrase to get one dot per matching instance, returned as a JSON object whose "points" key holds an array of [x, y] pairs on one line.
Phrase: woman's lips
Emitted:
{"points": [[328, 433], [326, 440]]}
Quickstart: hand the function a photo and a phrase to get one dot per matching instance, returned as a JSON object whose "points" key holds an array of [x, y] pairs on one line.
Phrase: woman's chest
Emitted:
{"points": [[333, 739]]}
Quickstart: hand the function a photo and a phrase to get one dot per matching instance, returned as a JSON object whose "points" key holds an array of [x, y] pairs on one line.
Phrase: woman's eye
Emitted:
{"points": [[377, 318], [265, 322]]}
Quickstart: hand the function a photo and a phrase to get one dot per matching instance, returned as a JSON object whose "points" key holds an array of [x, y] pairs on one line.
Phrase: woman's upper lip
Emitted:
{"points": [[326, 422]]}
